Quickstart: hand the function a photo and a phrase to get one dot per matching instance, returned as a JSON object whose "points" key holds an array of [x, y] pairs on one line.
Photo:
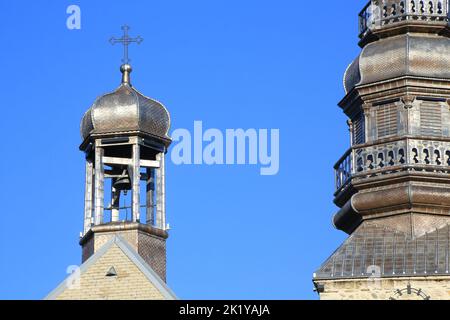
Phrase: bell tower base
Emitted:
{"points": [[149, 242]]}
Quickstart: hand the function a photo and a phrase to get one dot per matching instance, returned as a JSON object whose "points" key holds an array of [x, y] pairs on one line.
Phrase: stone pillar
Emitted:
{"points": [[99, 183], [150, 200], [160, 193], [136, 179], [88, 196], [115, 202]]}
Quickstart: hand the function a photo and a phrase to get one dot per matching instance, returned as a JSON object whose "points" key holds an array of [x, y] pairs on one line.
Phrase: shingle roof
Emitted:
{"points": [[373, 250], [126, 109]]}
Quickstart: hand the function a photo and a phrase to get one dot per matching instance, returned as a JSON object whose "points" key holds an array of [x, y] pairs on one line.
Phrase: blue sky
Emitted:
{"points": [[231, 64]]}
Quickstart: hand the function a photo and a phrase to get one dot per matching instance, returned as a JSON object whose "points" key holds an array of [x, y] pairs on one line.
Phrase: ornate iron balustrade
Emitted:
{"points": [[378, 13], [344, 169], [398, 155]]}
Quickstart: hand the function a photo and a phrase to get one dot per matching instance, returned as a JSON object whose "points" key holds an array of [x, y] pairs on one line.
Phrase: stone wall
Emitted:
{"points": [[417, 288], [129, 284]]}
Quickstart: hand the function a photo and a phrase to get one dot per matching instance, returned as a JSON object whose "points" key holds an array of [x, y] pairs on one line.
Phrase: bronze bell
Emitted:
{"points": [[123, 182]]}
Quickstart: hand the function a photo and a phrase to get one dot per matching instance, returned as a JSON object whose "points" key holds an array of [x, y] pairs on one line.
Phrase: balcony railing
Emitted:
{"points": [[394, 156], [343, 169], [379, 13]]}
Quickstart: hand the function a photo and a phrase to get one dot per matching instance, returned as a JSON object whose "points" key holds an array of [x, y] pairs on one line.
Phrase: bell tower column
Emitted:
{"points": [[136, 175], [88, 196], [115, 201], [160, 192], [150, 188], [99, 183]]}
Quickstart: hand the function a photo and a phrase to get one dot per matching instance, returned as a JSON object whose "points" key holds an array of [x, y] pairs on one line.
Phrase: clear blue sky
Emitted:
{"points": [[232, 64]]}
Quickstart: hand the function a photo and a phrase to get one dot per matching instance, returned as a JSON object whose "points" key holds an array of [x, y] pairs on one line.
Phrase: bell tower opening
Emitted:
{"points": [[124, 182]]}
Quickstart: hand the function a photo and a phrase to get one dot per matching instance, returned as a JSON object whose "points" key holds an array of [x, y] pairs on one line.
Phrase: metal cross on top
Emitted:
{"points": [[126, 41]]}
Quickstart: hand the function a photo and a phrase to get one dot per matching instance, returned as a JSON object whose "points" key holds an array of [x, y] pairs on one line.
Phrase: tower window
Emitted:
{"points": [[359, 136], [387, 118], [431, 118]]}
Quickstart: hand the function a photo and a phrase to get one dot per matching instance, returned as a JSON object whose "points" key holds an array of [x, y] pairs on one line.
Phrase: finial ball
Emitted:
{"points": [[126, 68]]}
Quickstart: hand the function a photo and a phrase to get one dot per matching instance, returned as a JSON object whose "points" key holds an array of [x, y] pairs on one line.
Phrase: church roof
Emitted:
{"points": [[114, 267], [376, 251]]}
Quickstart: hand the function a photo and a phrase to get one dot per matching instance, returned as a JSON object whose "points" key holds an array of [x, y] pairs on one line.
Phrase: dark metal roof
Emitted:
{"points": [[126, 109], [399, 56], [373, 250]]}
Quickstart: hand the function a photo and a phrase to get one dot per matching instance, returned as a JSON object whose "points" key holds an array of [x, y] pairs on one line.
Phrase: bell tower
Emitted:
{"points": [[125, 139], [393, 184]]}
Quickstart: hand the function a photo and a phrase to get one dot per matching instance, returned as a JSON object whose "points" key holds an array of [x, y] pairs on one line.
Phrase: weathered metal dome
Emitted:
{"points": [[418, 55], [401, 38], [126, 110]]}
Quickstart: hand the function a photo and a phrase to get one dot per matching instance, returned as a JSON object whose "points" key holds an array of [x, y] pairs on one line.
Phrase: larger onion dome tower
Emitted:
{"points": [[393, 184]]}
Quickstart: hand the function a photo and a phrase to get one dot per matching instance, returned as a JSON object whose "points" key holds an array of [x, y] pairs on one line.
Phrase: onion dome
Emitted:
{"points": [[401, 39], [126, 110], [416, 55]]}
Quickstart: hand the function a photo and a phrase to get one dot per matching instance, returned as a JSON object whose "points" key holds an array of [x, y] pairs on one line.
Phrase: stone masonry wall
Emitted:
{"points": [[433, 288], [151, 248], [129, 284]]}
